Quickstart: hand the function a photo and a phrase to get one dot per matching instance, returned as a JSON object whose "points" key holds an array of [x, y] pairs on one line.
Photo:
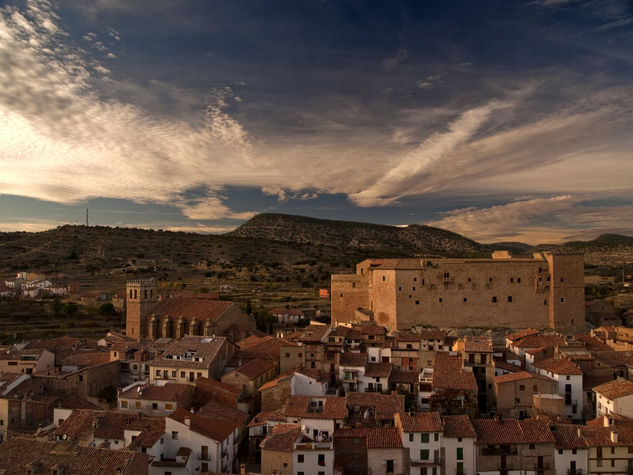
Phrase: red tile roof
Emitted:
{"points": [[378, 370], [568, 437], [521, 375], [376, 437], [282, 438], [86, 359], [214, 427], [254, 369], [458, 426], [168, 392], [192, 308], [538, 341], [353, 359], [448, 374], [558, 366], [385, 405], [511, 431], [16, 453], [616, 388], [299, 406], [421, 422]]}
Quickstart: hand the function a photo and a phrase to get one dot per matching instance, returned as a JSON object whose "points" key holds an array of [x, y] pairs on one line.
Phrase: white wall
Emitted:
{"points": [[306, 386], [310, 463], [450, 445], [562, 461]]}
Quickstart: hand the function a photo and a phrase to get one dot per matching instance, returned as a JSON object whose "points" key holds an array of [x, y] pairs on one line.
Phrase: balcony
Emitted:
{"points": [[576, 471], [203, 456]]}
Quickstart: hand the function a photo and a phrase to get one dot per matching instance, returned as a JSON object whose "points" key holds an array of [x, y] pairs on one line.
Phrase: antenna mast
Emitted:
{"points": [[86, 216]]}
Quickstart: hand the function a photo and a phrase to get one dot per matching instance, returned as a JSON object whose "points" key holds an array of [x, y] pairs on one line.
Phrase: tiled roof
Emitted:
{"points": [[151, 431], [421, 422], [504, 365], [592, 343], [373, 330], [567, 437], [378, 370], [314, 333], [282, 438], [167, 392], [558, 366], [616, 388], [433, 334], [269, 345], [376, 437], [192, 308], [255, 368], [448, 374], [403, 376], [216, 428], [521, 334], [511, 431], [203, 348], [299, 406], [16, 453], [313, 373], [404, 336], [521, 375], [215, 384], [481, 344], [215, 409], [385, 405], [353, 359], [601, 436], [537, 341], [340, 331], [262, 417], [86, 359], [279, 379], [458, 426]]}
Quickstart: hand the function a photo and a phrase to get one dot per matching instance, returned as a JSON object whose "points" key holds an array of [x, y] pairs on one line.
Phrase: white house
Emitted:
{"points": [[421, 435], [615, 397], [572, 450], [569, 378], [308, 382]]}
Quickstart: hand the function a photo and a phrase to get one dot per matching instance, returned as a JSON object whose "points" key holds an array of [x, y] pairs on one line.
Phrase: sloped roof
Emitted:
{"points": [[167, 392], [616, 388], [511, 431], [458, 426], [421, 422], [385, 405], [190, 308], [376, 437], [567, 437], [378, 370], [349, 358], [216, 428], [448, 374], [558, 366], [282, 438], [299, 406]]}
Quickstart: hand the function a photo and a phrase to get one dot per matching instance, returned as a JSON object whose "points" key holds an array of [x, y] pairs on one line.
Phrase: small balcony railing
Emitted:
{"points": [[203, 456]]}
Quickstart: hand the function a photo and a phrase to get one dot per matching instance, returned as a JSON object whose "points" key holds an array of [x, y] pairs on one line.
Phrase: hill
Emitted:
{"points": [[409, 240]]}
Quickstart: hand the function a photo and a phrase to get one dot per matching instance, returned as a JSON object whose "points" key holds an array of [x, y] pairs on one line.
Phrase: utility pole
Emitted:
{"points": [[86, 216]]}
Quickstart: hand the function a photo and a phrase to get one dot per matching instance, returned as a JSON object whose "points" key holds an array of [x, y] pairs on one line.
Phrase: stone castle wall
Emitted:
{"points": [[544, 292]]}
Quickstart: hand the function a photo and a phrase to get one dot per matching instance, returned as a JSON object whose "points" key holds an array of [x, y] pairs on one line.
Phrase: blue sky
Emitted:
{"points": [[498, 120]]}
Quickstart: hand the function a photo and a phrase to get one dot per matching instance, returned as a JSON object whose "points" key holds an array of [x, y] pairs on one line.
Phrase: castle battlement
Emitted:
{"points": [[142, 282]]}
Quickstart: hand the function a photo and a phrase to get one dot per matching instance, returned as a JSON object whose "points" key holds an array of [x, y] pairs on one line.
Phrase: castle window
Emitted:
{"points": [[409, 295], [509, 298], [414, 289], [341, 295], [465, 300], [135, 295], [562, 279], [384, 278], [511, 280], [489, 279], [441, 300], [145, 293], [415, 279], [417, 302], [562, 300], [494, 299], [469, 279], [130, 293], [400, 288]]}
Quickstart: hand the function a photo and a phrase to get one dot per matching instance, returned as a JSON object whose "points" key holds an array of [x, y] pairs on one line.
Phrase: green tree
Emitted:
{"points": [[264, 321], [107, 309]]}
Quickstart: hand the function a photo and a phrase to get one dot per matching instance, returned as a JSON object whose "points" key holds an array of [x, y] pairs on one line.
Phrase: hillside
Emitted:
{"points": [[410, 240]]}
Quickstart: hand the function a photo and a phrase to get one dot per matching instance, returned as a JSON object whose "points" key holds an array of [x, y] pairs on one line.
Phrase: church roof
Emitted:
{"points": [[190, 308]]}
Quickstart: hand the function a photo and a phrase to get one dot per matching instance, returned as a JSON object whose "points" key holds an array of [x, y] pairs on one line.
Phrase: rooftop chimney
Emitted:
{"points": [[187, 421], [614, 436]]}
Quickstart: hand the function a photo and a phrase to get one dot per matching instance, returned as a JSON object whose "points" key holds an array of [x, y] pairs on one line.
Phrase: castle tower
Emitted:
{"points": [[141, 299], [567, 292]]}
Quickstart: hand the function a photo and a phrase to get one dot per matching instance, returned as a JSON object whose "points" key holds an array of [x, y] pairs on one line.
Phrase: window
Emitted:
{"points": [[560, 451], [413, 289], [518, 280], [169, 406], [573, 451], [532, 446], [384, 278], [424, 437], [174, 435], [494, 299], [410, 437], [138, 404], [123, 404], [389, 466], [424, 454], [562, 300], [509, 298], [300, 458], [511, 280], [465, 300], [81, 377], [441, 300], [417, 302], [287, 355], [460, 467], [436, 437], [460, 453], [545, 302], [173, 374], [158, 373], [322, 459], [154, 405]]}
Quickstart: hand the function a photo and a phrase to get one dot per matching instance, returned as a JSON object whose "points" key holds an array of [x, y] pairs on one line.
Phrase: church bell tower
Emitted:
{"points": [[141, 299]]}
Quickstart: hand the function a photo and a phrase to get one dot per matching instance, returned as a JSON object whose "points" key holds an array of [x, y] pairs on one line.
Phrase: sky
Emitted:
{"points": [[500, 120]]}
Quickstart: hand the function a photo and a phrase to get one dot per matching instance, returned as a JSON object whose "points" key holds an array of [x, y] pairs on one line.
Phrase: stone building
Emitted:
{"points": [[546, 291], [149, 316]]}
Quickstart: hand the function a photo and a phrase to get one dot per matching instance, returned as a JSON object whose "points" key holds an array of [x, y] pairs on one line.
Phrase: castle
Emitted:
{"points": [[545, 291], [151, 316]]}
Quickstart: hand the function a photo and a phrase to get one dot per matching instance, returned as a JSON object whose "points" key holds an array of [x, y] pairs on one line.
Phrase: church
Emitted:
{"points": [[151, 316]]}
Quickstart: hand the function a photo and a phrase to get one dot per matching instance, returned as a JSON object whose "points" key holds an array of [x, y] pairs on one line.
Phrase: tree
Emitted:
{"points": [[107, 309], [249, 307], [265, 321]]}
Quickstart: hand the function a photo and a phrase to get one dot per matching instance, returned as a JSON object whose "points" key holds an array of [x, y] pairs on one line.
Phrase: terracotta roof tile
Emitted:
{"points": [[403, 376], [421, 422], [378, 370], [385, 405], [353, 359], [279, 379], [616, 388], [376, 437], [511, 431], [16, 453], [448, 374], [567, 437], [521, 375], [265, 416], [192, 308], [299, 406], [254, 369], [558, 366], [214, 427], [458, 426], [282, 438], [203, 348], [538, 341]]}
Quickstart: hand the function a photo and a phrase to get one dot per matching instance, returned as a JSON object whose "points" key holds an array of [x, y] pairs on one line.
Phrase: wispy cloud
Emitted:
{"points": [[539, 220]]}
